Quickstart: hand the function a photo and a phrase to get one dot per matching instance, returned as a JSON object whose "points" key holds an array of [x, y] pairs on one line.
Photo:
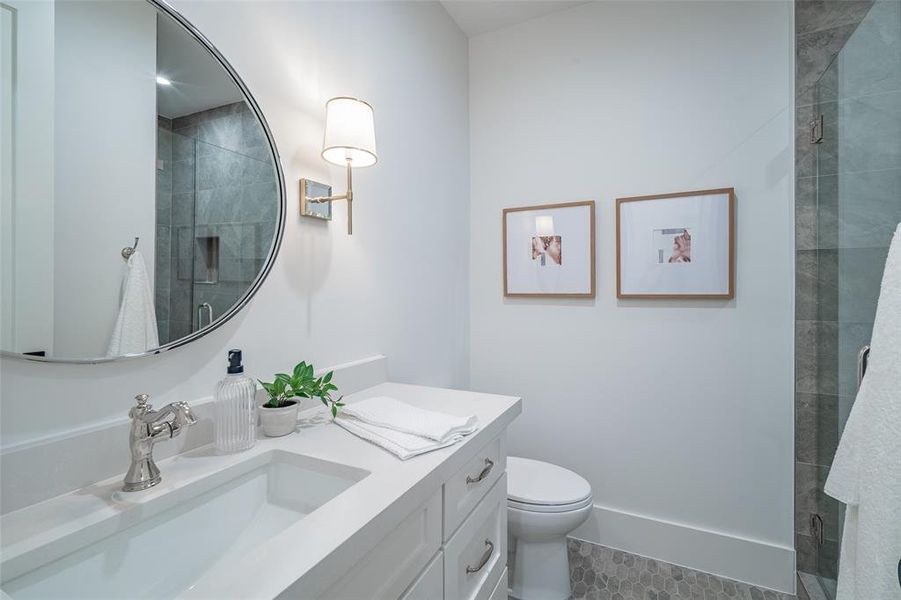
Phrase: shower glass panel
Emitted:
{"points": [[858, 207], [175, 208], [232, 227]]}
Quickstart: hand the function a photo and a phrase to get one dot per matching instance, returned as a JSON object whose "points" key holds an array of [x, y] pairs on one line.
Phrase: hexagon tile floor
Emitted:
{"points": [[601, 573]]}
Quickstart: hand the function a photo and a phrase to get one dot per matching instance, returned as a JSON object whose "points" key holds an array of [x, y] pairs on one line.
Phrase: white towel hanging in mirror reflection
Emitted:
{"points": [[135, 330]]}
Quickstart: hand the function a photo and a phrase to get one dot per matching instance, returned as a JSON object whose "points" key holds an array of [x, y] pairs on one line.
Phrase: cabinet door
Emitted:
{"points": [[475, 556], [389, 568], [500, 590], [430, 585]]}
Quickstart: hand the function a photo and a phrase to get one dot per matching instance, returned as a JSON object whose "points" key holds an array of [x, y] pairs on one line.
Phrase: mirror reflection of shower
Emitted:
{"points": [[214, 225]]}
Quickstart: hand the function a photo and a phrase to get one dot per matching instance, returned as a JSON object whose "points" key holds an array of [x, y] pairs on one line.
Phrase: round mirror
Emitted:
{"points": [[142, 198]]}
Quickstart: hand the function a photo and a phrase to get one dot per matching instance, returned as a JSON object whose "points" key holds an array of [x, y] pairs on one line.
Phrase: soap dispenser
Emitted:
{"points": [[235, 408]]}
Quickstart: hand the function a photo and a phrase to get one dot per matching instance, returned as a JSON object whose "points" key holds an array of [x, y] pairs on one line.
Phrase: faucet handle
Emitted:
{"points": [[138, 412], [143, 405]]}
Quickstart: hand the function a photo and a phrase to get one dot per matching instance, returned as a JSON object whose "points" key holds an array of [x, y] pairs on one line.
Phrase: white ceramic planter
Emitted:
{"points": [[277, 422]]}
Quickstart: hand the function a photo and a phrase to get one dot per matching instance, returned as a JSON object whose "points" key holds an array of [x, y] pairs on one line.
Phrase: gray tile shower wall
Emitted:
{"points": [[840, 245], [602, 573], [821, 29]]}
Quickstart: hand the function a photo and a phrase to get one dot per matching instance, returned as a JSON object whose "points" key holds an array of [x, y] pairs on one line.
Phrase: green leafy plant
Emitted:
{"points": [[301, 383]]}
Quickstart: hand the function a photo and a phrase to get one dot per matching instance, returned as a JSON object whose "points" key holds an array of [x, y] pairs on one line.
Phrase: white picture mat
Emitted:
{"points": [[526, 276], [706, 216]]}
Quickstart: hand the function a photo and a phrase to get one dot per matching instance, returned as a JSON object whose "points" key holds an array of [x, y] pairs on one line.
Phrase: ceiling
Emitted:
{"points": [[198, 81], [481, 16]]}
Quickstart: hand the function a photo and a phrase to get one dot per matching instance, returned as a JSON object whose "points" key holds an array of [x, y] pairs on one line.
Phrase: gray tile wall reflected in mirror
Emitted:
{"points": [[222, 187], [162, 274], [846, 208]]}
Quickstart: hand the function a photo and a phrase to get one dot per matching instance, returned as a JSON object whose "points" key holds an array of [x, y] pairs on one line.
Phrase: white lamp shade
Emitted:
{"points": [[349, 133]]}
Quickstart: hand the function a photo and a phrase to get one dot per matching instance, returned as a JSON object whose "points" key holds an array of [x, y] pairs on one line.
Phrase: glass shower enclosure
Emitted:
{"points": [[215, 216], [858, 184]]}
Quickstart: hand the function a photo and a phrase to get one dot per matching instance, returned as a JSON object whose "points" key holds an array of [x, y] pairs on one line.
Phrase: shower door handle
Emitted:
{"points": [[863, 358], [209, 309]]}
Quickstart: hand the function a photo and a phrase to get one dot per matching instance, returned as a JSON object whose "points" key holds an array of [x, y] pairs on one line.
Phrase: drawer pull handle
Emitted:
{"points": [[488, 466], [484, 561]]}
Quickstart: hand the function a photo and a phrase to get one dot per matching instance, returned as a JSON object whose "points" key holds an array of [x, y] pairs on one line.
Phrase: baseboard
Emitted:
{"points": [[746, 560]]}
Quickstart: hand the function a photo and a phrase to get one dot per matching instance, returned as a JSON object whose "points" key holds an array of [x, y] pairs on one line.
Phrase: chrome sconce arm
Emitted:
{"points": [[349, 196]]}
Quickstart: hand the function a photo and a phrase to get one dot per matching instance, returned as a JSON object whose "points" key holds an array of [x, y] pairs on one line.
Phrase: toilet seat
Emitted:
{"points": [[548, 508], [536, 486]]}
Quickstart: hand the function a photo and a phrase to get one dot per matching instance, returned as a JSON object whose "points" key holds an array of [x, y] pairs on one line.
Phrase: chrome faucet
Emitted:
{"points": [[147, 428]]}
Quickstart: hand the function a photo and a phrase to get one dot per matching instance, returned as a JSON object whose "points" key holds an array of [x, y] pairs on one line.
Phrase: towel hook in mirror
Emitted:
{"points": [[127, 251]]}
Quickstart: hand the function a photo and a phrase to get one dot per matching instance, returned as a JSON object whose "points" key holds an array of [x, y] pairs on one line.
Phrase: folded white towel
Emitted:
{"points": [[866, 470], [135, 329], [394, 414], [403, 445]]}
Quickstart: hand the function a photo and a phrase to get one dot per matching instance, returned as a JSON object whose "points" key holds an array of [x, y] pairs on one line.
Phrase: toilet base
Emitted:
{"points": [[541, 570]]}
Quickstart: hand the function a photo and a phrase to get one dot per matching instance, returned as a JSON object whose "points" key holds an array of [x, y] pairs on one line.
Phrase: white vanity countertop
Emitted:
{"points": [[316, 550]]}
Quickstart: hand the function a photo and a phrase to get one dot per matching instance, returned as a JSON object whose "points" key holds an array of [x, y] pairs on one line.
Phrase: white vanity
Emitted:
{"points": [[317, 514]]}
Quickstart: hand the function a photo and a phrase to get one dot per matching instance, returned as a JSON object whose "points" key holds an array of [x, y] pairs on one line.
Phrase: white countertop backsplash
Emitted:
{"points": [[81, 457]]}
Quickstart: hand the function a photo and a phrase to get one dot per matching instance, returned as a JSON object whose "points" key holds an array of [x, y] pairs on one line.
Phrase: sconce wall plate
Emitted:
{"points": [[315, 210]]}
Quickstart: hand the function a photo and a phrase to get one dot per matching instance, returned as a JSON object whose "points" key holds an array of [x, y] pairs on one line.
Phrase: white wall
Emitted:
{"points": [[678, 413], [105, 163], [398, 286], [7, 74], [28, 247]]}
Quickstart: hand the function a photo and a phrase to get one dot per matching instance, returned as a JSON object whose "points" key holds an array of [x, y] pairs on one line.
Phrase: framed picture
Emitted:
{"points": [[676, 245], [549, 250]]}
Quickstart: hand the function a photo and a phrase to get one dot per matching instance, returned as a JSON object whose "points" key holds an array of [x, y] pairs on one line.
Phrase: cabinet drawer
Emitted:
{"points": [[475, 556], [389, 568], [430, 585], [500, 590], [464, 489]]}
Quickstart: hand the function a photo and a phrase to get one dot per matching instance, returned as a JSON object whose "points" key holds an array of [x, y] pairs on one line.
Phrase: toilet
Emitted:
{"points": [[544, 504]]}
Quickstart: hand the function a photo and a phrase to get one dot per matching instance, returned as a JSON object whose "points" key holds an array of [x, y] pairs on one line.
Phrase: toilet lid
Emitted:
{"points": [[535, 482]]}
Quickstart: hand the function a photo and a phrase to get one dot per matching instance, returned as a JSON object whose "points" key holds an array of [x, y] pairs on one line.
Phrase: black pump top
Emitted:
{"points": [[234, 362]]}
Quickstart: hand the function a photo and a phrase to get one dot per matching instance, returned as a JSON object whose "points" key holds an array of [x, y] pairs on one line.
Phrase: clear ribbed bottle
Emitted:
{"points": [[235, 408]]}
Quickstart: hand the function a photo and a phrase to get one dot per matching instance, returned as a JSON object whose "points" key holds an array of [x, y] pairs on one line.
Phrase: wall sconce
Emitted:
{"points": [[349, 141], [544, 228]]}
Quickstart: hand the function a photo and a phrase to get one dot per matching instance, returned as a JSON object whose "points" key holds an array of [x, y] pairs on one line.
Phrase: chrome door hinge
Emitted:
{"points": [[816, 130], [817, 528]]}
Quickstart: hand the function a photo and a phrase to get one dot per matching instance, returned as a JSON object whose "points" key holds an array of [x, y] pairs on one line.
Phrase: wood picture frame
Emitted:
{"points": [[588, 278], [728, 293]]}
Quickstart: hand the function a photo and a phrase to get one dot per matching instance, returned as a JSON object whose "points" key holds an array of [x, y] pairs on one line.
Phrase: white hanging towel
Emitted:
{"points": [[135, 330], [866, 470]]}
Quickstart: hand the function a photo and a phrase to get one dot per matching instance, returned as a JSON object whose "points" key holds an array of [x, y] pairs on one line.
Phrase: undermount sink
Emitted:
{"points": [[175, 539]]}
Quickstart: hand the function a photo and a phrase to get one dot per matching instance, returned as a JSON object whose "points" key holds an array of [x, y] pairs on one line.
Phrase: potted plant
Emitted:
{"points": [[278, 416]]}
